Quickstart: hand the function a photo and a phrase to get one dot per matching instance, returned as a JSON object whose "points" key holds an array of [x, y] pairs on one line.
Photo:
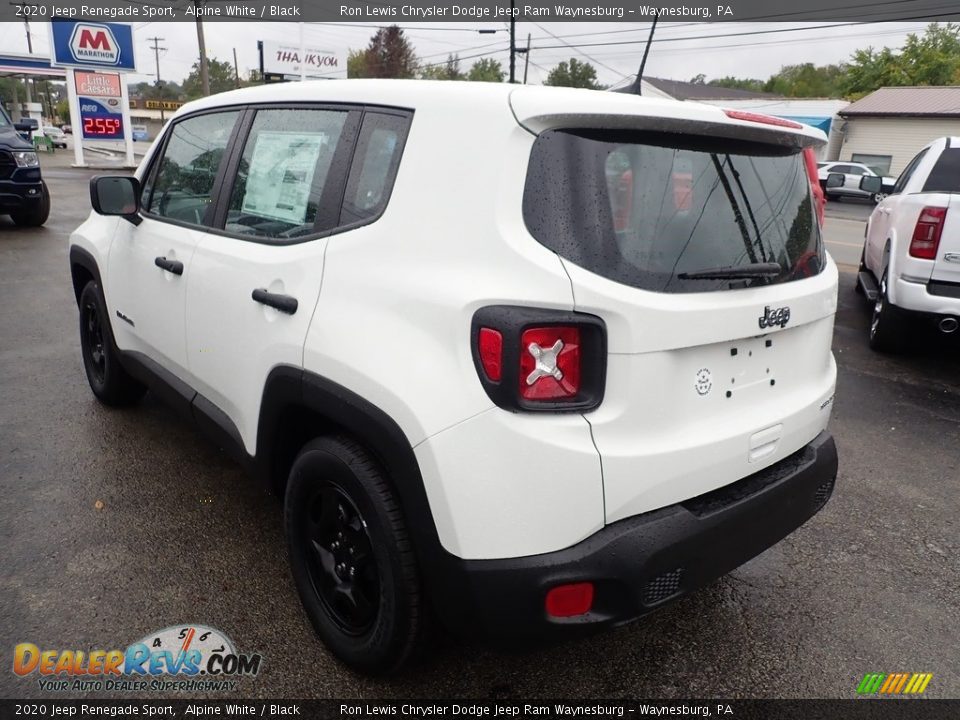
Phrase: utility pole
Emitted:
{"points": [[204, 69], [156, 55], [526, 60], [513, 44], [26, 26], [236, 70]]}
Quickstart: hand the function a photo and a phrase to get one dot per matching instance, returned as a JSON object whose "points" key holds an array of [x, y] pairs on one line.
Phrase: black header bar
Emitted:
{"points": [[478, 11]]}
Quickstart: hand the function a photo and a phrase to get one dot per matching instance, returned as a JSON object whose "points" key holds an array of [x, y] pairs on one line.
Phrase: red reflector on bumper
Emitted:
{"points": [[569, 600]]}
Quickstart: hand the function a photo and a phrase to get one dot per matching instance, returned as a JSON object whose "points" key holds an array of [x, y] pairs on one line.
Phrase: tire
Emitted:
{"points": [[878, 197], [888, 330], [110, 383], [38, 214], [351, 556]]}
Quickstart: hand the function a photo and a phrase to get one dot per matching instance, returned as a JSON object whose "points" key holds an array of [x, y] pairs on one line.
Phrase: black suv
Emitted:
{"points": [[23, 194]]}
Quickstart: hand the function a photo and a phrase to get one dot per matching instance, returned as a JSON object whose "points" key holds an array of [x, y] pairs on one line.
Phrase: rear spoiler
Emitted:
{"points": [[539, 112]]}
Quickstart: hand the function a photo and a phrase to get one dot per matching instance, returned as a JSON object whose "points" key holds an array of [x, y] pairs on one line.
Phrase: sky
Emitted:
{"points": [[716, 49]]}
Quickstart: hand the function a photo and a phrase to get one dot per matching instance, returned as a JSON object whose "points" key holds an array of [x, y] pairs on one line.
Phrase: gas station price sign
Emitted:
{"points": [[101, 112]]}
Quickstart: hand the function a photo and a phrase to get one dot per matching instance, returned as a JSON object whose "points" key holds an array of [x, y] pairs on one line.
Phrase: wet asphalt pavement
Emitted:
{"points": [[114, 524]]}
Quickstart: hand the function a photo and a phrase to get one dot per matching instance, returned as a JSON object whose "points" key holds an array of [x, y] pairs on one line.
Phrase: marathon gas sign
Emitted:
{"points": [[92, 45]]}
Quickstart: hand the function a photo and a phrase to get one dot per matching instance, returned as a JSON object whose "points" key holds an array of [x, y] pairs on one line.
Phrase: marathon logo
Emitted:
{"points": [[94, 43]]}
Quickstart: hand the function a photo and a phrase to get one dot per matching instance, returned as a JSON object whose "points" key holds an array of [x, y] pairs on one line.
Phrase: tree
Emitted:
{"points": [[808, 80], [573, 73], [389, 55], [221, 79], [700, 79], [486, 70], [738, 83], [933, 59], [357, 64], [450, 70]]}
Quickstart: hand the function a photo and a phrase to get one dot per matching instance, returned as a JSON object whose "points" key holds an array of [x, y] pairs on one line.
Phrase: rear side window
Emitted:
{"points": [[179, 185], [375, 162], [283, 172], [945, 176], [645, 209], [909, 170]]}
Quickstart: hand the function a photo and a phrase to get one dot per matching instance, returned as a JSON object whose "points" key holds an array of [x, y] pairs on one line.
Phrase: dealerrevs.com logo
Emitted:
{"points": [[184, 658]]}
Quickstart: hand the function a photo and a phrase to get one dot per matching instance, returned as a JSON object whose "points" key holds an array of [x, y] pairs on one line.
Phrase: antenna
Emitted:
{"points": [[636, 87]]}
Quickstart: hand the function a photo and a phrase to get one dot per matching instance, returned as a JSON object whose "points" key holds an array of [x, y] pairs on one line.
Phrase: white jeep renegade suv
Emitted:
{"points": [[532, 360]]}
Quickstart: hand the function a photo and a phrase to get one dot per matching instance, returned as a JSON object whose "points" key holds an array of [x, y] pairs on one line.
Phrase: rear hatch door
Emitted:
{"points": [[696, 241]]}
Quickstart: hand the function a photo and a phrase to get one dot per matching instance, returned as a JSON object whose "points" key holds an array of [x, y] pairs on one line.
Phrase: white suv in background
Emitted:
{"points": [[910, 267], [532, 360]]}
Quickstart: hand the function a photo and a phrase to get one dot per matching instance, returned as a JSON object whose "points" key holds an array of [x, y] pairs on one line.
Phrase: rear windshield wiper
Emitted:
{"points": [[745, 272]]}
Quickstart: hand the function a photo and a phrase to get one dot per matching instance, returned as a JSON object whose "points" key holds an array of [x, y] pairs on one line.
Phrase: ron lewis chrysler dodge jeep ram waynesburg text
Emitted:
{"points": [[531, 360]]}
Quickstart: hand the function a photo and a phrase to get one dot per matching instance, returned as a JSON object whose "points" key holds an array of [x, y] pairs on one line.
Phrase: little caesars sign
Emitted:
{"points": [[282, 59]]}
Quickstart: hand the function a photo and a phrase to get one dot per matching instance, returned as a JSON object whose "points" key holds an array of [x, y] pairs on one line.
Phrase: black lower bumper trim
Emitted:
{"points": [[642, 562]]}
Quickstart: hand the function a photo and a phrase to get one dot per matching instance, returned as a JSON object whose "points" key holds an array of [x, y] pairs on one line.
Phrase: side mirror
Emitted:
{"points": [[116, 195], [871, 184], [836, 180], [23, 127]]}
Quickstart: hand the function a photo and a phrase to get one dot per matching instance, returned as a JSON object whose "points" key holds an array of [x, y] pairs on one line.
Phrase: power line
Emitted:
{"points": [[576, 49]]}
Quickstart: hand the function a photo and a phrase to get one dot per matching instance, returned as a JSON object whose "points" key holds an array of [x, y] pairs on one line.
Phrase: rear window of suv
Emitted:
{"points": [[644, 209]]}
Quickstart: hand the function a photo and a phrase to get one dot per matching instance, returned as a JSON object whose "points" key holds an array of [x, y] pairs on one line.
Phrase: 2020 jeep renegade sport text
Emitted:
{"points": [[533, 360]]}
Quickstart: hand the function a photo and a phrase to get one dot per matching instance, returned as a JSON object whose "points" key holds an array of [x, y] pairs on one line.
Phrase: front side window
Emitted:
{"points": [[180, 184], [659, 211], [283, 172]]}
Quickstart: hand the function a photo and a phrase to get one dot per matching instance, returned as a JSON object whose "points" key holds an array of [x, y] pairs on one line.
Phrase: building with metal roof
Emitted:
{"points": [[889, 126]]}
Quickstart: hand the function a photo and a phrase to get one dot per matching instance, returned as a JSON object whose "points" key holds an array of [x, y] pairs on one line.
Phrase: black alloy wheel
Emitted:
{"points": [[343, 569]]}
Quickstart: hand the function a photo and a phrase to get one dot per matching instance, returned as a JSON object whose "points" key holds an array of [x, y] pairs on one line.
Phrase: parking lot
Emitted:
{"points": [[114, 524]]}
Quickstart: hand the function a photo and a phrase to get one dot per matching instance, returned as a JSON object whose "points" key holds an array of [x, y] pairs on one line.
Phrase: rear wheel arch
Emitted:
{"points": [[298, 406]]}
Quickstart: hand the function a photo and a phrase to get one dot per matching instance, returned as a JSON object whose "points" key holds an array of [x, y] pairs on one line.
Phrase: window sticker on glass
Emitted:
{"points": [[281, 174]]}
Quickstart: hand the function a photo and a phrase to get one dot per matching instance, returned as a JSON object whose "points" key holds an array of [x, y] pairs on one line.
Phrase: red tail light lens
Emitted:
{"points": [[571, 600], [532, 359], [490, 346], [760, 118], [549, 363], [819, 200], [927, 232]]}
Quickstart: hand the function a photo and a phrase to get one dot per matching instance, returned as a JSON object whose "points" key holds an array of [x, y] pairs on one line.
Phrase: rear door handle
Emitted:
{"points": [[284, 303], [171, 266]]}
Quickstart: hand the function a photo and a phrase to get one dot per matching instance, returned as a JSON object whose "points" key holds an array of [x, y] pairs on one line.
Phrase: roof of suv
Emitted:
{"points": [[535, 107]]}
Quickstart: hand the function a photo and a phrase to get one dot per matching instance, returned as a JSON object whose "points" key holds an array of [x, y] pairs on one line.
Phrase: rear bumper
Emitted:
{"points": [[932, 298], [641, 563]]}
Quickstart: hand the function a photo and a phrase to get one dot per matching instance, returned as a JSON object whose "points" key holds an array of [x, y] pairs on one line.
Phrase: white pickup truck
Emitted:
{"points": [[910, 267]]}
